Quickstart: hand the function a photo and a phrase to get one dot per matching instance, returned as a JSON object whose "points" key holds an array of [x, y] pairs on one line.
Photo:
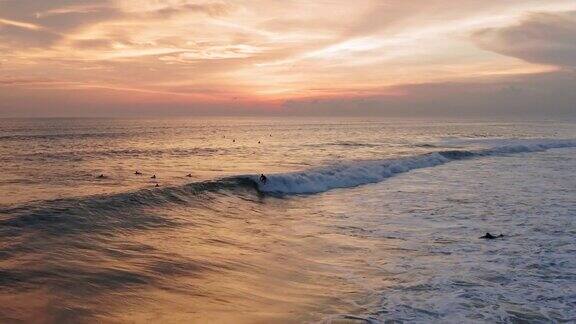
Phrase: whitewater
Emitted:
{"points": [[354, 174], [362, 221]]}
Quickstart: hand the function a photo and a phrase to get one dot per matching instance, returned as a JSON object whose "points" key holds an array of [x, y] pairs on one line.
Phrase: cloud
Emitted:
{"points": [[90, 24], [43, 23], [210, 9], [535, 95], [272, 51], [33, 11], [71, 18], [95, 43], [545, 38], [16, 36], [23, 81], [24, 25]]}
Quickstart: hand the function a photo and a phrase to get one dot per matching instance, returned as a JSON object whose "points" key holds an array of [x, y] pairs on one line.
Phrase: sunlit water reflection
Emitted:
{"points": [[75, 248]]}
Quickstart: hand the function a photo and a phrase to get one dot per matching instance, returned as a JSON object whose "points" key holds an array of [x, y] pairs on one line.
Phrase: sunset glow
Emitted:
{"points": [[197, 55], [287, 161]]}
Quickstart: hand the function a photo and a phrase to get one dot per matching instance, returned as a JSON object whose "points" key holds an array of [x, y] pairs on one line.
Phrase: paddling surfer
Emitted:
{"points": [[489, 236]]}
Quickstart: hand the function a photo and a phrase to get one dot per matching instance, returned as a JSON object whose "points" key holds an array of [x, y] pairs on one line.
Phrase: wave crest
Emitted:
{"points": [[354, 174], [97, 212]]}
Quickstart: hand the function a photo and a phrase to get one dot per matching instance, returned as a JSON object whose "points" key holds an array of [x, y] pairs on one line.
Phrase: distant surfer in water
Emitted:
{"points": [[138, 172], [189, 175], [101, 176], [263, 179], [153, 177], [489, 236]]}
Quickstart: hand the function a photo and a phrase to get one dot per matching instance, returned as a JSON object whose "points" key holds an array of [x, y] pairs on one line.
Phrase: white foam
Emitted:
{"points": [[358, 173], [524, 146]]}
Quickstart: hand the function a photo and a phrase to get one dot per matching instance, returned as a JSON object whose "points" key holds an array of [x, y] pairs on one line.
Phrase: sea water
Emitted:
{"points": [[359, 221]]}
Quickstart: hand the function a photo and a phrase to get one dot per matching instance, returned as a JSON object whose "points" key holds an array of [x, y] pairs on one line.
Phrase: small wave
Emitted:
{"points": [[354, 174], [113, 153], [425, 145], [103, 212], [64, 136], [344, 144]]}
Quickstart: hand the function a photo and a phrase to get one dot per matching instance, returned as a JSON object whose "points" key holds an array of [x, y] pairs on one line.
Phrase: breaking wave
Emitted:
{"points": [[358, 173], [94, 212]]}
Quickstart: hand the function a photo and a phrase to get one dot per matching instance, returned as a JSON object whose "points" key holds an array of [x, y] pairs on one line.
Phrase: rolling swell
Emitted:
{"points": [[359, 173], [127, 211], [105, 213]]}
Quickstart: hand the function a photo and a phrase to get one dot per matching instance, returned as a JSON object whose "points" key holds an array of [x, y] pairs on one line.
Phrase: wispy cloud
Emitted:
{"points": [[275, 51], [20, 24]]}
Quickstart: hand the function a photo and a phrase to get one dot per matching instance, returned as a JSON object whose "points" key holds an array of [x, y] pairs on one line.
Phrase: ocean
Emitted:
{"points": [[359, 221]]}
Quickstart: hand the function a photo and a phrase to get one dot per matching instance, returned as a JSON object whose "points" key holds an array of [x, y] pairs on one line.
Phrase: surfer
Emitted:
{"points": [[138, 172], [489, 236], [157, 185], [101, 176], [153, 177], [189, 175], [263, 179]]}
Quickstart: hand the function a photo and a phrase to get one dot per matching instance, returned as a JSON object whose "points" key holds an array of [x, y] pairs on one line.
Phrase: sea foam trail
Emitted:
{"points": [[359, 173]]}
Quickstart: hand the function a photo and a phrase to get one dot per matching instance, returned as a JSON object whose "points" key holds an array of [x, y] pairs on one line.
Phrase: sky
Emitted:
{"points": [[477, 58]]}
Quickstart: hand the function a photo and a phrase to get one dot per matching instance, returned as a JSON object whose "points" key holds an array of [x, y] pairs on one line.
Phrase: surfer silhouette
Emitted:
{"points": [[138, 172], [263, 179], [153, 177], [489, 236]]}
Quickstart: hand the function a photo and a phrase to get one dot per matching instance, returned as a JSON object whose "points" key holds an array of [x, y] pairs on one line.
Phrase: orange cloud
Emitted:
{"points": [[263, 51]]}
